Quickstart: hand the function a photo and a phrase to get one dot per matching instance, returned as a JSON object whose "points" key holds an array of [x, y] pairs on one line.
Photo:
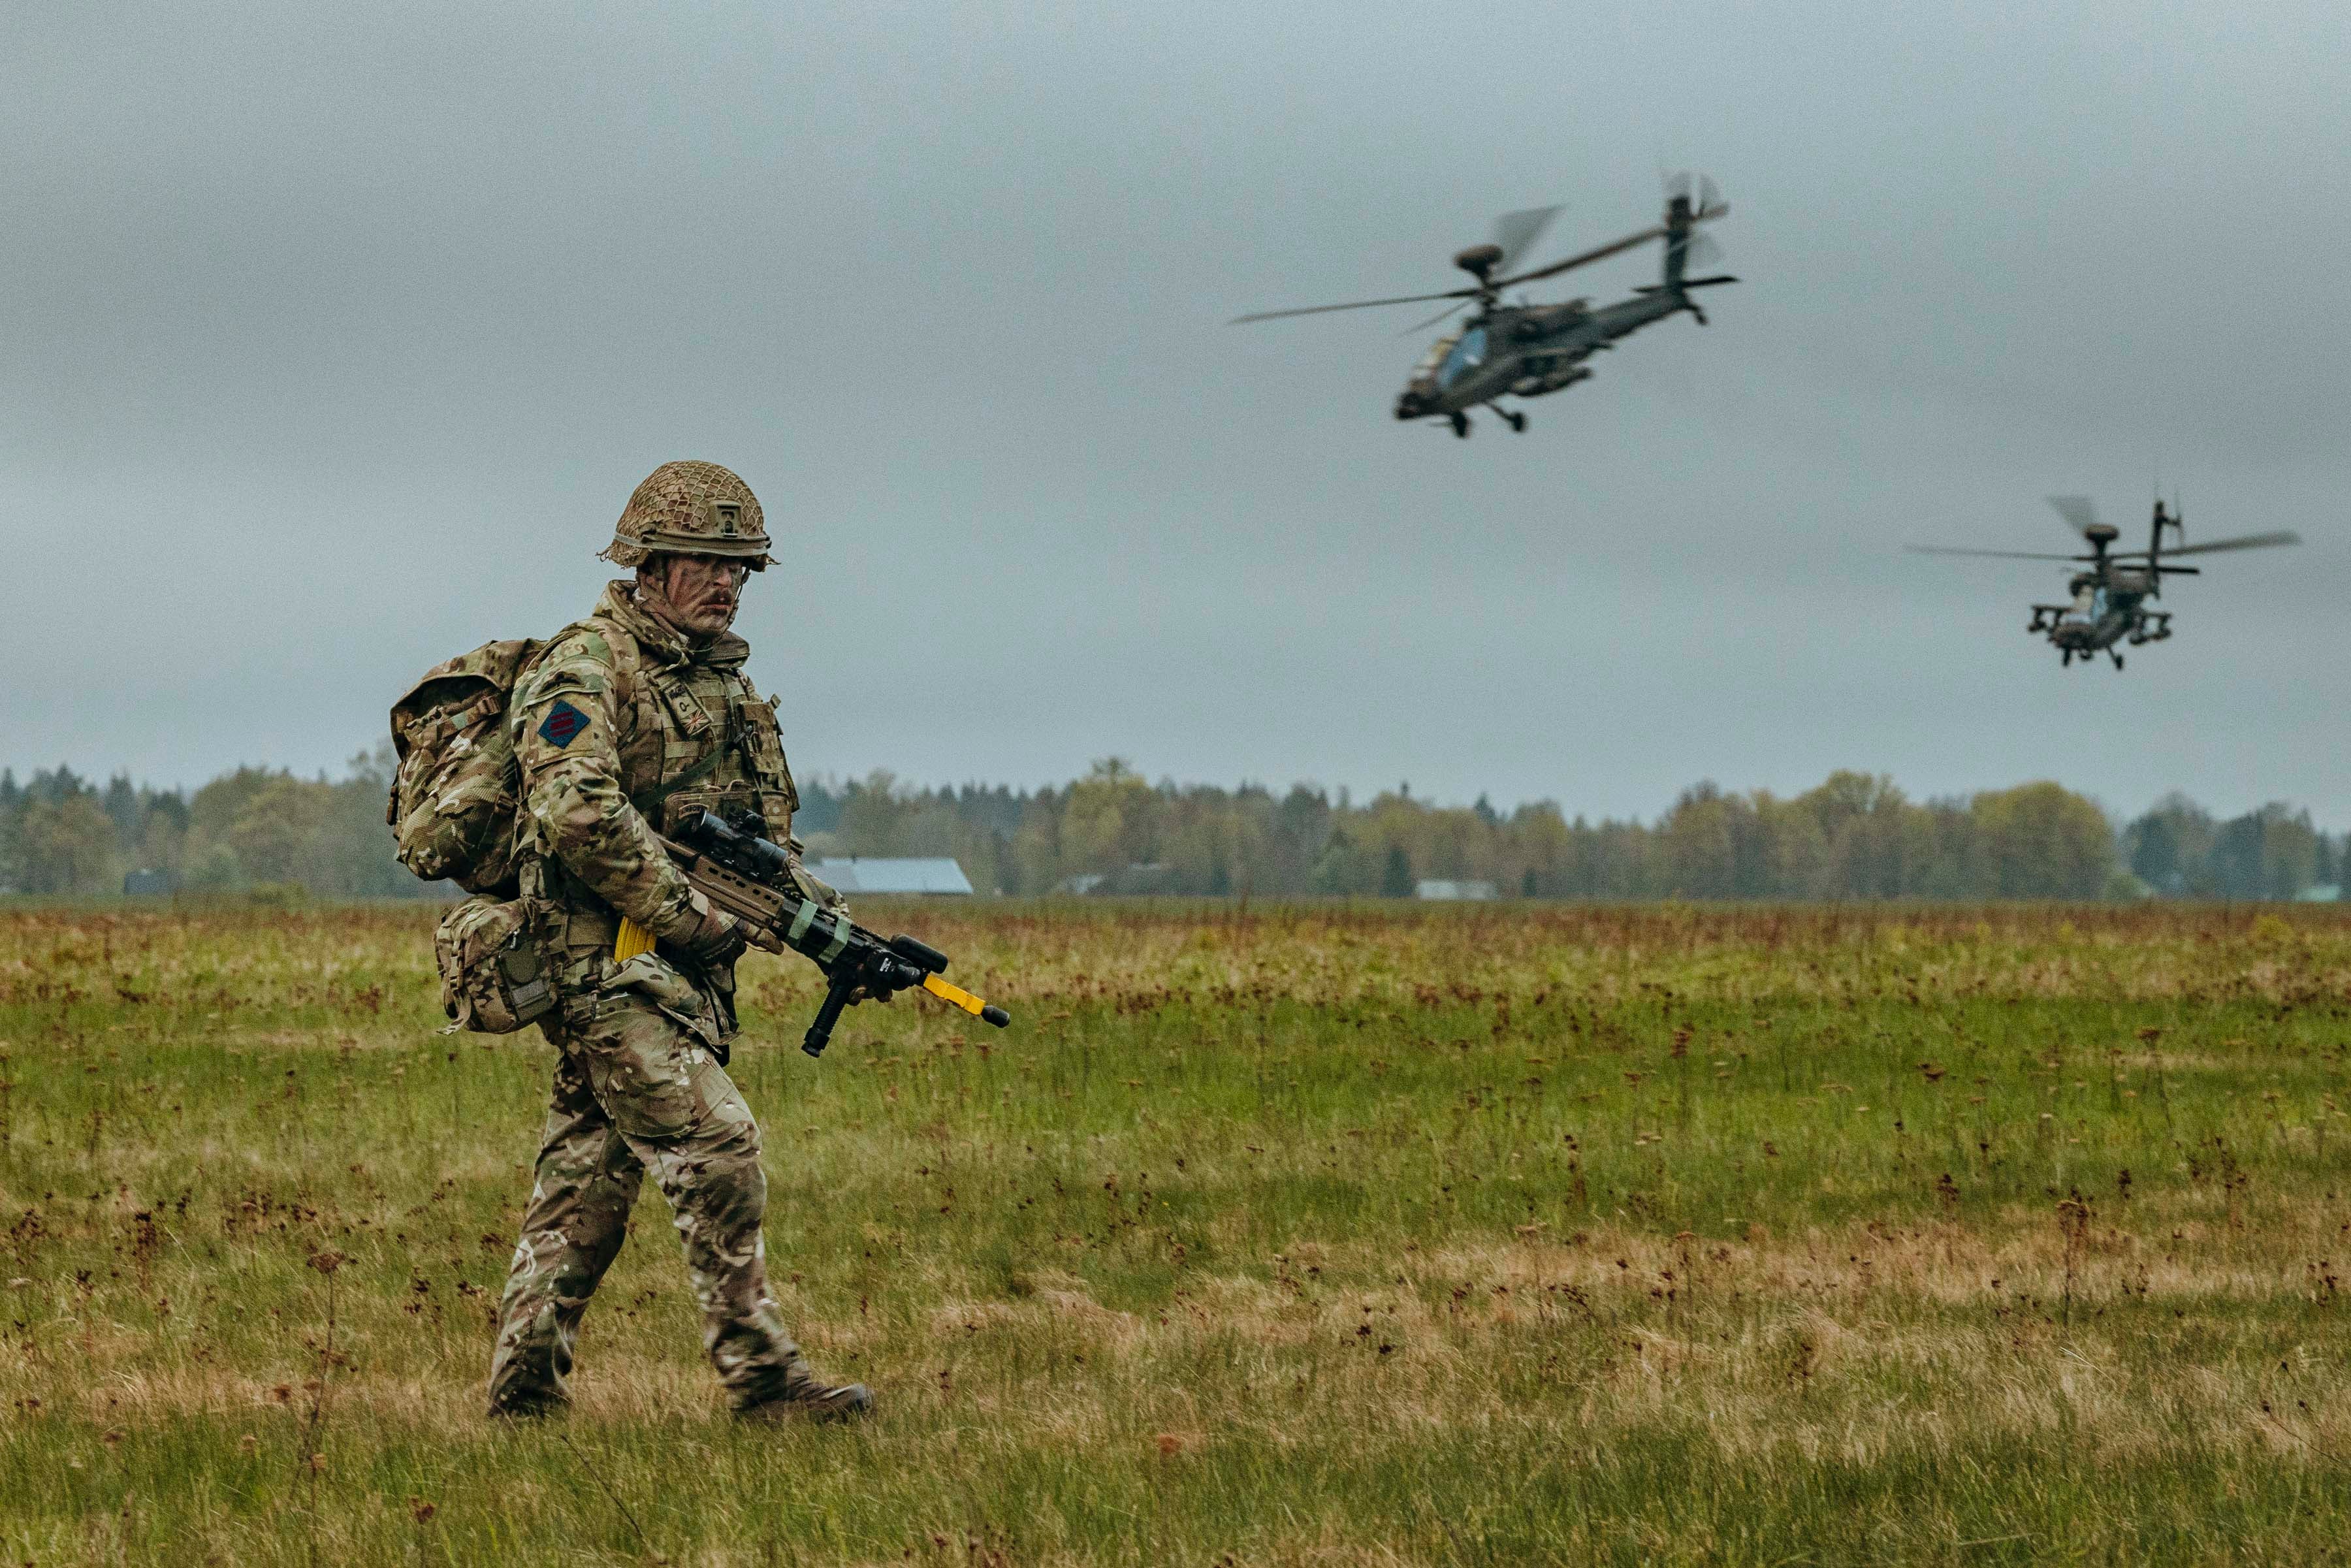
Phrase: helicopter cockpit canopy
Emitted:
{"points": [[1427, 369], [1462, 356]]}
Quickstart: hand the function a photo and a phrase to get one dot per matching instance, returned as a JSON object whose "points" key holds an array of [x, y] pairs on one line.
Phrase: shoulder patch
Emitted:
{"points": [[563, 724]]}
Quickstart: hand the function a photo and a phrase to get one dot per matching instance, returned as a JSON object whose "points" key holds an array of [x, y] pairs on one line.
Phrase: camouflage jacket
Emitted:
{"points": [[621, 729]]}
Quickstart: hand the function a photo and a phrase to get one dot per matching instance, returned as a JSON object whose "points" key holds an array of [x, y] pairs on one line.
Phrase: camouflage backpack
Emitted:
{"points": [[457, 795]]}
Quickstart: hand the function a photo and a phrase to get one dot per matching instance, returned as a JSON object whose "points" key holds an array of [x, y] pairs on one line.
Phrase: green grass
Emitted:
{"points": [[1315, 1235]]}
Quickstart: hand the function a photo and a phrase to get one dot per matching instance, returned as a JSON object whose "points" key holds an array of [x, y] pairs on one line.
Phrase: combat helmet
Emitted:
{"points": [[691, 509]]}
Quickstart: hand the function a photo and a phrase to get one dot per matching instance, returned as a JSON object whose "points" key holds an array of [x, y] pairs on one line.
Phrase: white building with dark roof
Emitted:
{"points": [[878, 874]]}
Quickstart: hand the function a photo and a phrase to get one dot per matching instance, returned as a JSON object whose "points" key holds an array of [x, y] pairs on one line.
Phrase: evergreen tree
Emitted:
{"points": [[2155, 853], [123, 805]]}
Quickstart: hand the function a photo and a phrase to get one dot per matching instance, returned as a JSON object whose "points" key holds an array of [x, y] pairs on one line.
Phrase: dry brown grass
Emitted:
{"points": [[1310, 1237]]}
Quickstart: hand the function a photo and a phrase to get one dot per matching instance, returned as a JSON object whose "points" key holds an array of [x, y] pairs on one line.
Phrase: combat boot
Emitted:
{"points": [[806, 1394]]}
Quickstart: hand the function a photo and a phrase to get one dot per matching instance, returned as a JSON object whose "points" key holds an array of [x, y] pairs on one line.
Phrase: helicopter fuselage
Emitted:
{"points": [[2112, 591], [1526, 350], [2107, 608]]}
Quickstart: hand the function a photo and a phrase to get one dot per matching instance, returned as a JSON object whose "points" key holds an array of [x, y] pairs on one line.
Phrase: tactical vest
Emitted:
{"points": [[690, 737]]}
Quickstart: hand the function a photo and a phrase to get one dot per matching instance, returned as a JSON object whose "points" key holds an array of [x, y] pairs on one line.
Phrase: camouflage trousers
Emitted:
{"points": [[638, 1089]]}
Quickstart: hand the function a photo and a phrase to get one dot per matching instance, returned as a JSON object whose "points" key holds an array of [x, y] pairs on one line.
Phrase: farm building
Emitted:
{"points": [[876, 873]]}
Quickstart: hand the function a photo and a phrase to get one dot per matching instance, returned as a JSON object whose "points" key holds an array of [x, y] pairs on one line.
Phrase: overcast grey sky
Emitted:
{"points": [[333, 340]]}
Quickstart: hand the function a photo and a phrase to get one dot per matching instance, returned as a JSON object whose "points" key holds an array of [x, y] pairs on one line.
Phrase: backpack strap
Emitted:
{"points": [[628, 660]]}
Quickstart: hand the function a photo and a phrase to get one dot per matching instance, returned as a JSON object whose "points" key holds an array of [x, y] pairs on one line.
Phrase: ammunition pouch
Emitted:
{"points": [[494, 977]]}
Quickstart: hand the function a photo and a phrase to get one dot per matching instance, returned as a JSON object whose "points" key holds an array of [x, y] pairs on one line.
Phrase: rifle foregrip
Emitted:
{"points": [[836, 997]]}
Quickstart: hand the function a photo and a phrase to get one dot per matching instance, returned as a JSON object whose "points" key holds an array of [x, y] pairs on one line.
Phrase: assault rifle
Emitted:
{"points": [[749, 876]]}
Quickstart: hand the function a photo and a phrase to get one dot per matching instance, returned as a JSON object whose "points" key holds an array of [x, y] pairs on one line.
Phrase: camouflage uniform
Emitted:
{"points": [[621, 724]]}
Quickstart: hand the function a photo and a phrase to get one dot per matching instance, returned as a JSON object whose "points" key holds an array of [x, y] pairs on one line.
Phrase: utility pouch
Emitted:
{"points": [[494, 979]]}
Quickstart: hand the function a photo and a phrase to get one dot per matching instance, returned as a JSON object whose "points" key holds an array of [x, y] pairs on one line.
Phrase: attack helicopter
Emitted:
{"points": [[1526, 350], [2110, 602]]}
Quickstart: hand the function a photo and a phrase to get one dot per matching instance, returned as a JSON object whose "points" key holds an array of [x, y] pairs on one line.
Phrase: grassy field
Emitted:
{"points": [[1301, 1236]]}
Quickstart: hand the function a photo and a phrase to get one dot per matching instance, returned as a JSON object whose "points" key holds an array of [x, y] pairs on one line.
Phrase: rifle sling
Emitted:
{"points": [[649, 803]]}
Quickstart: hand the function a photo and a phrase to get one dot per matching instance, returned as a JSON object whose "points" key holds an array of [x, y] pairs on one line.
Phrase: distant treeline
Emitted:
{"points": [[257, 828], [1853, 837]]}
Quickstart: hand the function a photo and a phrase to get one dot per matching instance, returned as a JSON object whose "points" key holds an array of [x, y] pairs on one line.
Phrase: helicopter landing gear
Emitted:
{"points": [[2116, 655], [1516, 421], [1461, 425]]}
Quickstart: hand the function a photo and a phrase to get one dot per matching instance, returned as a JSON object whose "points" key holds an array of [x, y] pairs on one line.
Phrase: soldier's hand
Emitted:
{"points": [[717, 942]]}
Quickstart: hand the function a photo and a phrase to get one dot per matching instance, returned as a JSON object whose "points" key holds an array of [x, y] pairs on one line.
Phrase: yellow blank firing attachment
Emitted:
{"points": [[631, 940], [985, 1011]]}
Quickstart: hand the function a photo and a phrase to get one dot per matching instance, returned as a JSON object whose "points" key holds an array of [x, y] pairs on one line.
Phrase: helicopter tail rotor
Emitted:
{"points": [[1691, 200], [1696, 194], [2161, 521]]}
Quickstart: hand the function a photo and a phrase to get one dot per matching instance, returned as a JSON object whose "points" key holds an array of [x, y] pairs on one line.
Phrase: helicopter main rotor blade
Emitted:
{"points": [[2077, 511], [2000, 554], [1600, 253], [1706, 214], [1514, 232], [2242, 541], [1353, 305], [1442, 314]]}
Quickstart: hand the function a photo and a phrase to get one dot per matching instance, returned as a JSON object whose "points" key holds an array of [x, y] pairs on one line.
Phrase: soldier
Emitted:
{"points": [[628, 722]]}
